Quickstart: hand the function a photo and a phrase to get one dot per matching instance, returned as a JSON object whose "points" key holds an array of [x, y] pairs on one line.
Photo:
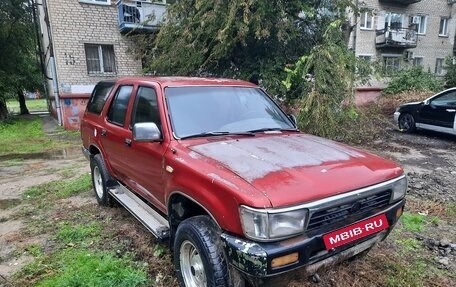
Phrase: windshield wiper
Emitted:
{"points": [[273, 130], [218, 133]]}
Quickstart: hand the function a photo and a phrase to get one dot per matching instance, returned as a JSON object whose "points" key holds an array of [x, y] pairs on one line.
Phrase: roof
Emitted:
{"points": [[188, 81]]}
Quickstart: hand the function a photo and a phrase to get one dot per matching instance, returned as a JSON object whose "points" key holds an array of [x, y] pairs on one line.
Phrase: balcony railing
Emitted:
{"points": [[396, 38], [139, 15], [400, 2]]}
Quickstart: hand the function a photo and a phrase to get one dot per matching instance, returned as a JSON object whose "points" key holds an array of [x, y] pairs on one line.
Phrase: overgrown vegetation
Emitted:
{"points": [[412, 79], [450, 75], [19, 65], [21, 135], [83, 267], [59, 189]]}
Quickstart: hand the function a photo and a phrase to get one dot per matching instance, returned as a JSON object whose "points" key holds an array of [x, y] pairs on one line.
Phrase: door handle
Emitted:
{"points": [[103, 132], [451, 110], [127, 142]]}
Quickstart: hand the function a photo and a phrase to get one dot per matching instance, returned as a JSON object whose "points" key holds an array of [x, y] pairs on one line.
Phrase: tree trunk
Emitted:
{"points": [[21, 99], [3, 110]]}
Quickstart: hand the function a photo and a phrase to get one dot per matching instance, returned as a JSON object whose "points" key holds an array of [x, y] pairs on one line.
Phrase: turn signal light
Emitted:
{"points": [[285, 260]]}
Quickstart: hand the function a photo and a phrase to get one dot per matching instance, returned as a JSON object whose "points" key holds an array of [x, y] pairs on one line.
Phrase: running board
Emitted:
{"points": [[151, 219]]}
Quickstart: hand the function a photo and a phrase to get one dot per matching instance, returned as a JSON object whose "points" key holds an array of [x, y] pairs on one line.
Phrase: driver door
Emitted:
{"points": [[441, 110]]}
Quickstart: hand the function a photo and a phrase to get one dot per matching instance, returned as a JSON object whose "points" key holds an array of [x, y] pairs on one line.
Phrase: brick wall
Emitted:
{"points": [[430, 46], [75, 23]]}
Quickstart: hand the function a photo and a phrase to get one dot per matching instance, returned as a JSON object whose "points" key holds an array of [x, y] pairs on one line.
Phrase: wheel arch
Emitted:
{"points": [[180, 207]]}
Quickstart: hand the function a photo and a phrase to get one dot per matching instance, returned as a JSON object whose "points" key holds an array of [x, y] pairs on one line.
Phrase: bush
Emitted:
{"points": [[450, 76], [413, 79]]}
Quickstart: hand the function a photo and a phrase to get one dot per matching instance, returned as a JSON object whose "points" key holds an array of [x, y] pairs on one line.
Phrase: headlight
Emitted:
{"points": [[399, 189], [268, 225]]}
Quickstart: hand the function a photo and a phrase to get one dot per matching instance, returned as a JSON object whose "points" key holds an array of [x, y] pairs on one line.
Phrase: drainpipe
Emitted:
{"points": [[55, 82]]}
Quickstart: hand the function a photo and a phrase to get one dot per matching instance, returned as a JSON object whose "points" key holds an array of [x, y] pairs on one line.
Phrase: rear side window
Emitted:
{"points": [[98, 97], [119, 105]]}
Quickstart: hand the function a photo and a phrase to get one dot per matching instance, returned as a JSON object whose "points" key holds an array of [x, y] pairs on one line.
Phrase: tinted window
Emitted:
{"points": [[98, 97], [447, 99], [146, 107], [119, 105]]}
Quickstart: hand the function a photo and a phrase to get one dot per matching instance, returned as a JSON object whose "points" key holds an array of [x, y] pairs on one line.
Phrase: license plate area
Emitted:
{"points": [[355, 231]]}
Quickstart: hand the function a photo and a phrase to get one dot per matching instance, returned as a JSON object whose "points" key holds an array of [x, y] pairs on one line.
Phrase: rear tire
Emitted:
{"points": [[406, 123], [198, 257], [100, 180]]}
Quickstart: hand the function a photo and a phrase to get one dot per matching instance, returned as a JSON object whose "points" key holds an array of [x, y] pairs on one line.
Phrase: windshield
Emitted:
{"points": [[200, 110]]}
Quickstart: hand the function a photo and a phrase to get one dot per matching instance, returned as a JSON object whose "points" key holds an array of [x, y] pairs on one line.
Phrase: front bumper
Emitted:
{"points": [[396, 116], [255, 258]]}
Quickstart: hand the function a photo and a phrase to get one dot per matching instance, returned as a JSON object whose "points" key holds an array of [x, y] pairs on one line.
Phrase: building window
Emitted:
{"points": [[421, 22], [394, 20], [418, 61], [391, 63], [100, 2], [443, 30], [366, 58], [367, 21], [439, 66], [100, 59]]}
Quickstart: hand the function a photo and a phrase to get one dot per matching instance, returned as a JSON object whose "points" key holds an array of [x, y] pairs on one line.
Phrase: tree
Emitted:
{"points": [[237, 38], [450, 75], [19, 69]]}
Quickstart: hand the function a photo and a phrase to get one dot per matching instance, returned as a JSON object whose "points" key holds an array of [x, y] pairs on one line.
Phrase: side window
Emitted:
{"points": [[98, 98], [448, 99], [118, 109], [146, 107]]}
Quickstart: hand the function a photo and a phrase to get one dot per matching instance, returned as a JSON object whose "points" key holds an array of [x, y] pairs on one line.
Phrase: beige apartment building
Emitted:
{"points": [[85, 41], [402, 33]]}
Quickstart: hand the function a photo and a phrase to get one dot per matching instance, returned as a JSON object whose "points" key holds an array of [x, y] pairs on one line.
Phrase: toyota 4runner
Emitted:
{"points": [[216, 168]]}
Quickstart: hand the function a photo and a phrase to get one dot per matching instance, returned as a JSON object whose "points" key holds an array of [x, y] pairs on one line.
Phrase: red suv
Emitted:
{"points": [[215, 167]]}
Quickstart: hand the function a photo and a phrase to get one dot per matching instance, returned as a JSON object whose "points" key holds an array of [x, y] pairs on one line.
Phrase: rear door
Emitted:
{"points": [[441, 110], [116, 136]]}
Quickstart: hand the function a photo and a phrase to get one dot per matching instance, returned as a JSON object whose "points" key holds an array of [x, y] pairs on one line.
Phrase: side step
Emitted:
{"points": [[151, 219]]}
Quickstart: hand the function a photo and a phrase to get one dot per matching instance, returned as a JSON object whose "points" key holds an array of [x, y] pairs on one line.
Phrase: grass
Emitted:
{"points": [[32, 105], [82, 267], [23, 135], [79, 233], [59, 189], [413, 222]]}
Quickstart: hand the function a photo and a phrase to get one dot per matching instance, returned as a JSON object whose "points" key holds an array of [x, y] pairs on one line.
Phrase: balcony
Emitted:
{"points": [[139, 15], [396, 38], [400, 2]]}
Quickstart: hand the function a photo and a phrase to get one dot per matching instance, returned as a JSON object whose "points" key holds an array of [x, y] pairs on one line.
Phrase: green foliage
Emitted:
{"points": [[413, 222], [450, 76], [32, 104], [413, 79], [329, 72], [408, 245], [406, 274], [59, 189], [236, 38], [19, 68], [80, 267], [25, 135], [70, 234]]}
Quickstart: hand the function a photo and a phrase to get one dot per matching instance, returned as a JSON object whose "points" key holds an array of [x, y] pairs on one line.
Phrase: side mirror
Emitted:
{"points": [[293, 119], [146, 132], [426, 102]]}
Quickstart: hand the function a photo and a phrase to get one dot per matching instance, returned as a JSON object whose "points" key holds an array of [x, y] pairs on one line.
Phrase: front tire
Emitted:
{"points": [[198, 257], [100, 180], [406, 123]]}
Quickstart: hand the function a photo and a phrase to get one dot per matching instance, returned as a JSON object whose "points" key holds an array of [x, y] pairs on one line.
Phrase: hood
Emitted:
{"points": [[291, 169]]}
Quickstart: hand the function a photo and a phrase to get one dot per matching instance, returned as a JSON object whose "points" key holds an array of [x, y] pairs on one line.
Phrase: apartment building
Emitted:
{"points": [[403, 33], [85, 41]]}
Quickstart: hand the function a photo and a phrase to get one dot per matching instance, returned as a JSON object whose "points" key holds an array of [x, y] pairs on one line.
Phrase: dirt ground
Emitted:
{"points": [[429, 160]]}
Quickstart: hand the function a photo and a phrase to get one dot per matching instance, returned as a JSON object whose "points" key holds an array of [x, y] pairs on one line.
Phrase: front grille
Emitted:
{"points": [[338, 213]]}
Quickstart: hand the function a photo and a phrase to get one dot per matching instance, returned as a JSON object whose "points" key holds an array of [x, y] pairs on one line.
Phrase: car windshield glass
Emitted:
{"points": [[200, 110]]}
